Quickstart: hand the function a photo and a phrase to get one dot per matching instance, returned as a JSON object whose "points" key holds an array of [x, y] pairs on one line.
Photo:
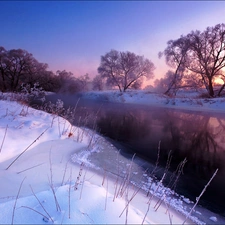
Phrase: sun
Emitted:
{"points": [[218, 81]]}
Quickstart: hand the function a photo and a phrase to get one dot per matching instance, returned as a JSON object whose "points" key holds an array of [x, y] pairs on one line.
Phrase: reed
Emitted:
{"points": [[17, 196], [26, 149], [48, 215], [198, 198]]}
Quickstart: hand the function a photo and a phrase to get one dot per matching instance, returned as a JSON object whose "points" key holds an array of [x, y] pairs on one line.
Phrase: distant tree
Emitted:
{"points": [[49, 81], [149, 87], [34, 72], [18, 63], [67, 82], [3, 68], [169, 84], [200, 53], [97, 83], [83, 82], [125, 69], [19, 67]]}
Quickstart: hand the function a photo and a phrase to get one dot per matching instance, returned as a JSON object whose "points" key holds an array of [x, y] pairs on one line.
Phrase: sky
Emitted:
{"points": [[73, 35]]}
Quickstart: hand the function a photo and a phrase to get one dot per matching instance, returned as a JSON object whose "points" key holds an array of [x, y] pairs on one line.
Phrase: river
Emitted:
{"points": [[153, 132]]}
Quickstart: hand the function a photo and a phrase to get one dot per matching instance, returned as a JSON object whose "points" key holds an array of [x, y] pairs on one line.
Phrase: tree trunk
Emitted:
{"points": [[3, 81], [211, 91], [222, 87]]}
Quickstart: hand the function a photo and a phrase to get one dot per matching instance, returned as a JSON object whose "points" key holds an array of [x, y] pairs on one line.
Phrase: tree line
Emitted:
{"points": [[197, 60], [19, 69]]}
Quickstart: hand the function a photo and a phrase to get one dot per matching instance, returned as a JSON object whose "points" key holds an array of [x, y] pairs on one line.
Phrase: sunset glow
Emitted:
{"points": [[219, 81]]}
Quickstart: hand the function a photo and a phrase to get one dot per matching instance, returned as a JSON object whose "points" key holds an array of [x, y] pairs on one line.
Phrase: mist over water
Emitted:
{"points": [[196, 136]]}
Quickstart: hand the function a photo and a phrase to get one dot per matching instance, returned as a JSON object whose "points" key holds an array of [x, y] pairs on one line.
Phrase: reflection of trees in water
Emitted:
{"points": [[196, 138], [124, 126]]}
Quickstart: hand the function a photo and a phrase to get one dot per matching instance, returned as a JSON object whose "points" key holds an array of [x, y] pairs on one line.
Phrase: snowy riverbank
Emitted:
{"points": [[48, 158], [184, 100]]}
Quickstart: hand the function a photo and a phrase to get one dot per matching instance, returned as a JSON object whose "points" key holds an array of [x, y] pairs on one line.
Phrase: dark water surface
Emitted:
{"points": [[197, 136]]}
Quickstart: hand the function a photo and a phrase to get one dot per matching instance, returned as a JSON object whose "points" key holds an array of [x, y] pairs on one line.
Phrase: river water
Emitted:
{"points": [[197, 136]]}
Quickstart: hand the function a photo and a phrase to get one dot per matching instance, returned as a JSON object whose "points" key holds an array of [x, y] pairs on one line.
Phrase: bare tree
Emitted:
{"points": [[125, 69], [18, 62], [175, 55], [200, 53], [19, 67]]}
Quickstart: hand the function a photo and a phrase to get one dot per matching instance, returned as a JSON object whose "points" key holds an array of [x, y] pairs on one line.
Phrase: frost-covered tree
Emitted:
{"points": [[125, 69], [83, 82], [97, 83], [201, 54]]}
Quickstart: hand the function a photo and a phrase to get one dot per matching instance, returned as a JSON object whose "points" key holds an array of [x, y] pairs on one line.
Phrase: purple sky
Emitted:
{"points": [[72, 35]]}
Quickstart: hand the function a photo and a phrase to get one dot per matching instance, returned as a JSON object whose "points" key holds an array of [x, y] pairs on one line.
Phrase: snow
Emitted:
{"points": [[46, 174], [183, 100]]}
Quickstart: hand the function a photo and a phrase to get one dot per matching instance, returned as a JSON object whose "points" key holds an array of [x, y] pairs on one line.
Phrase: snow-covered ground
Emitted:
{"points": [[46, 175]]}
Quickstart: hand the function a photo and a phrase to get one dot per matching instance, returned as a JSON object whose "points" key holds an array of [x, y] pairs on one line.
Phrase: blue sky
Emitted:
{"points": [[72, 35]]}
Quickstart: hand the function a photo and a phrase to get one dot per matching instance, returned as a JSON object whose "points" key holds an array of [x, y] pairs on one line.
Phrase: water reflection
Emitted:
{"points": [[197, 137]]}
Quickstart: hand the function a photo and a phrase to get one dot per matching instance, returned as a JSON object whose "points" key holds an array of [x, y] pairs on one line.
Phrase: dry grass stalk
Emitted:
{"points": [[14, 207], [127, 178], [117, 178], [103, 180], [44, 216], [155, 168], [177, 174], [83, 183], [159, 184], [64, 173], [79, 176], [49, 217], [106, 196], [198, 198], [26, 149], [59, 127], [69, 196], [132, 197], [29, 168], [51, 184], [180, 169]]}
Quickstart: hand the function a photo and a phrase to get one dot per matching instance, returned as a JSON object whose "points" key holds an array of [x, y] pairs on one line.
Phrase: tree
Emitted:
{"points": [[83, 82], [18, 62], [175, 55], [19, 67], [3, 68], [169, 84], [200, 53], [97, 83], [67, 82], [125, 69]]}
